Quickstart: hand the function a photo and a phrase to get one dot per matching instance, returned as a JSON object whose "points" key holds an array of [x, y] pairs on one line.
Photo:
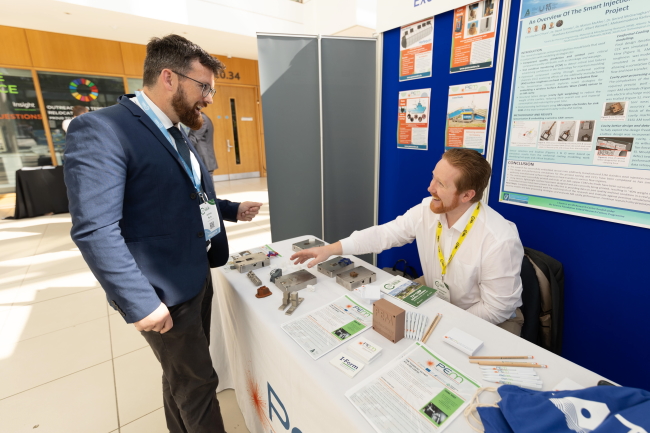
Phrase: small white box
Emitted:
{"points": [[346, 364], [366, 350], [463, 341]]}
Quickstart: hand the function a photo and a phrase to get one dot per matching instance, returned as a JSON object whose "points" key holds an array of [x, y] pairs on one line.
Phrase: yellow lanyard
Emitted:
{"points": [[463, 235]]}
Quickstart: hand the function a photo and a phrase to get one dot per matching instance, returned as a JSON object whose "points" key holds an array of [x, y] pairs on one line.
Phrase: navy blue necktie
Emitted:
{"points": [[181, 145]]}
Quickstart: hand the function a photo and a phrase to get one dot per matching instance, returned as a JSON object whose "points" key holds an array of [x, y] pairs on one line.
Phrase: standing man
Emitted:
{"points": [[147, 221], [463, 243], [203, 141], [77, 111]]}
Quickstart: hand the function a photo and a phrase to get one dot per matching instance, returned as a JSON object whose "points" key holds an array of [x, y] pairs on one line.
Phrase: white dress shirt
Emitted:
{"points": [[484, 275], [167, 123]]}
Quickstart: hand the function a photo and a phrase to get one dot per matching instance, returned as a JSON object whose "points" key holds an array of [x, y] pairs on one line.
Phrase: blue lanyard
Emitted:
{"points": [[147, 109]]}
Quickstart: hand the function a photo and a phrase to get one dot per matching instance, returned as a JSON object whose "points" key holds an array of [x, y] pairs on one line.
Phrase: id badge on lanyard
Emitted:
{"points": [[208, 208], [210, 217]]}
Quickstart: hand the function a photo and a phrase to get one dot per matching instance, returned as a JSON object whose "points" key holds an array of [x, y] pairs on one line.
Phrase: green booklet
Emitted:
{"points": [[408, 291]]}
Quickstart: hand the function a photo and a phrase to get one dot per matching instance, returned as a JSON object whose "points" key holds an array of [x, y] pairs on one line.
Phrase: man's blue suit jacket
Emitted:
{"points": [[135, 212]]}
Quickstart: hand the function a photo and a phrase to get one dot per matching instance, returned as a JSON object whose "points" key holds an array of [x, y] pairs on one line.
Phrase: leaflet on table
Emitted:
{"points": [[417, 392], [473, 36], [467, 116], [265, 249], [416, 50], [413, 119], [578, 139], [328, 327], [408, 291]]}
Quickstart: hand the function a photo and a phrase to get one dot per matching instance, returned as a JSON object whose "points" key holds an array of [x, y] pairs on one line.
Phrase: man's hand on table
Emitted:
{"points": [[158, 321], [319, 254], [247, 210]]}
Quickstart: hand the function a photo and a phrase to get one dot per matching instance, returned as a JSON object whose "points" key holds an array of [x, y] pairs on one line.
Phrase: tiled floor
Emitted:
{"points": [[68, 363]]}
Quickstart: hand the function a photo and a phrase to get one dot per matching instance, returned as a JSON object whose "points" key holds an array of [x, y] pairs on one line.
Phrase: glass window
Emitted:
{"points": [[22, 136], [67, 95], [134, 84]]}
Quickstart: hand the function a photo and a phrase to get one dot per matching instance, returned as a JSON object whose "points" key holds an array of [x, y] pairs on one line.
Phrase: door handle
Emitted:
{"points": [[228, 144]]}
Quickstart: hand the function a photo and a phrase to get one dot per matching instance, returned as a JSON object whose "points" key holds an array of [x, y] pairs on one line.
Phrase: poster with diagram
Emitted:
{"points": [[578, 139], [416, 50], [413, 119], [473, 36], [467, 116]]}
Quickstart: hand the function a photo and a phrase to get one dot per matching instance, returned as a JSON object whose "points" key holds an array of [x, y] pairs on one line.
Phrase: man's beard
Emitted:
{"points": [[185, 111], [444, 209]]}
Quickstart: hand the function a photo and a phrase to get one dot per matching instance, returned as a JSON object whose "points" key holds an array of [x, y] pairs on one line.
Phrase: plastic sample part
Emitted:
{"points": [[263, 292]]}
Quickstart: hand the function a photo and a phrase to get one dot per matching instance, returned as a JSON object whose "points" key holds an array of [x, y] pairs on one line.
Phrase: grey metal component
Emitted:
{"points": [[335, 266], [295, 301], [275, 274], [251, 261], [285, 301], [251, 276], [295, 281], [303, 245], [349, 108], [356, 277], [288, 69]]}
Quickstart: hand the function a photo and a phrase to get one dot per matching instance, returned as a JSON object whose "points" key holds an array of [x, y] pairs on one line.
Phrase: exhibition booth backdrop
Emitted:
{"points": [[605, 296]]}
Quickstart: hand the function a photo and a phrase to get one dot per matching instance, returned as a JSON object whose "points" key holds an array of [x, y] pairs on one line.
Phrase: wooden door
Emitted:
{"points": [[213, 112], [236, 130]]}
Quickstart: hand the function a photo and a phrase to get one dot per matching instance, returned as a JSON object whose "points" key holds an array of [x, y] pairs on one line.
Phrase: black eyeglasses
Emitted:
{"points": [[205, 87]]}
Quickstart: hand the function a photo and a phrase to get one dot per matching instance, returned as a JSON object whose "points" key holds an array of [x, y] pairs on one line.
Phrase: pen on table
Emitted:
{"points": [[431, 328], [520, 384], [510, 364], [422, 327], [515, 370], [513, 378], [501, 357]]}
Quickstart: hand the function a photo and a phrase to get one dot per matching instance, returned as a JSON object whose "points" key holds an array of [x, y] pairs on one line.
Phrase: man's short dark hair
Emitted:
{"points": [[474, 170], [176, 53], [78, 110]]}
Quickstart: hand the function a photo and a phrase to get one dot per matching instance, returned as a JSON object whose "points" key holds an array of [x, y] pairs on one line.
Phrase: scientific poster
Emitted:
{"points": [[467, 115], [416, 50], [417, 392], [413, 119], [473, 36], [578, 137]]}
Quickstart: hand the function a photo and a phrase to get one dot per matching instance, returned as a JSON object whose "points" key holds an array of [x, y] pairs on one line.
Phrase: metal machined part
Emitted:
{"points": [[303, 245], [295, 281], [285, 301], [356, 277], [251, 276], [335, 266], [251, 261], [295, 301]]}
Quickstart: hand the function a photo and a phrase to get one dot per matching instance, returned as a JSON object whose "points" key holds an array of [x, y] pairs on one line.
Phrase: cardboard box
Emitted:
{"points": [[388, 320]]}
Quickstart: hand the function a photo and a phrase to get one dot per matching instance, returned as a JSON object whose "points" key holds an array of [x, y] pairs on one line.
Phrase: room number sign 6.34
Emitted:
{"points": [[228, 75]]}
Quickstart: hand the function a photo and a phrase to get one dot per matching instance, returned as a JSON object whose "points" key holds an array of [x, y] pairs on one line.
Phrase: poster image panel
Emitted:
{"points": [[578, 139], [467, 116], [473, 36], [416, 50], [413, 119]]}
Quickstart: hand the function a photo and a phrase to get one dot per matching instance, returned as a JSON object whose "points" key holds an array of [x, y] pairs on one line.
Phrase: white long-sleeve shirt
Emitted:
{"points": [[484, 275]]}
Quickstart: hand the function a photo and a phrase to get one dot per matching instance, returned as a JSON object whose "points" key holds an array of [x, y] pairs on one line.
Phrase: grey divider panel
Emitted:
{"points": [[348, 80], [289, 87]]}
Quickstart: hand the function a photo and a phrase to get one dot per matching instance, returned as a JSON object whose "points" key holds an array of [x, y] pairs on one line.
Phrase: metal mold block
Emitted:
{"points": [[335, 266], [356, 277], [295, 281], [251, 276], [303, 245], [251, 261]]}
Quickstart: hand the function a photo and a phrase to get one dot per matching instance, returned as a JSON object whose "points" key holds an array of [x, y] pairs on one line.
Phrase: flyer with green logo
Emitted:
{"points": [[408, 291]]}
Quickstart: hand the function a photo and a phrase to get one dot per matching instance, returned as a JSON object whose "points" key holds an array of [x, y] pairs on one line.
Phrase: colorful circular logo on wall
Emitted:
{"points": [[84, 90]]}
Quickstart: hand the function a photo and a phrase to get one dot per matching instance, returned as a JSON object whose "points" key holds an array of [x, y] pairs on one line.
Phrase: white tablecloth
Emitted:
{"points": [[280, 388]]}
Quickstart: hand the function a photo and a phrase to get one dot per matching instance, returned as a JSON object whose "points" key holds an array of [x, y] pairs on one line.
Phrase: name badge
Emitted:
{"points": [[210, 217], [442, 290]]}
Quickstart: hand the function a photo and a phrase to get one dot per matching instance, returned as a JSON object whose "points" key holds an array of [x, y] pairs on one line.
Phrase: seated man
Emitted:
{"points": [[462, 241]]}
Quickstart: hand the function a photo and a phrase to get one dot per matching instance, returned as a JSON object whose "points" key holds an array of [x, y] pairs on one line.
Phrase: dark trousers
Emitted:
{"points": [[189, 381]]}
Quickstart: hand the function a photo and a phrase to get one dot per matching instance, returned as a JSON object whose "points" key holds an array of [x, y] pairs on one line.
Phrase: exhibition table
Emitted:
{"points": [[40, 190], [280, 387]]}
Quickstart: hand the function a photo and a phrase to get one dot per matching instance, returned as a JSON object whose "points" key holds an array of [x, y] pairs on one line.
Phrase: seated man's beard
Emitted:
{"points": [[185, 111]]}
